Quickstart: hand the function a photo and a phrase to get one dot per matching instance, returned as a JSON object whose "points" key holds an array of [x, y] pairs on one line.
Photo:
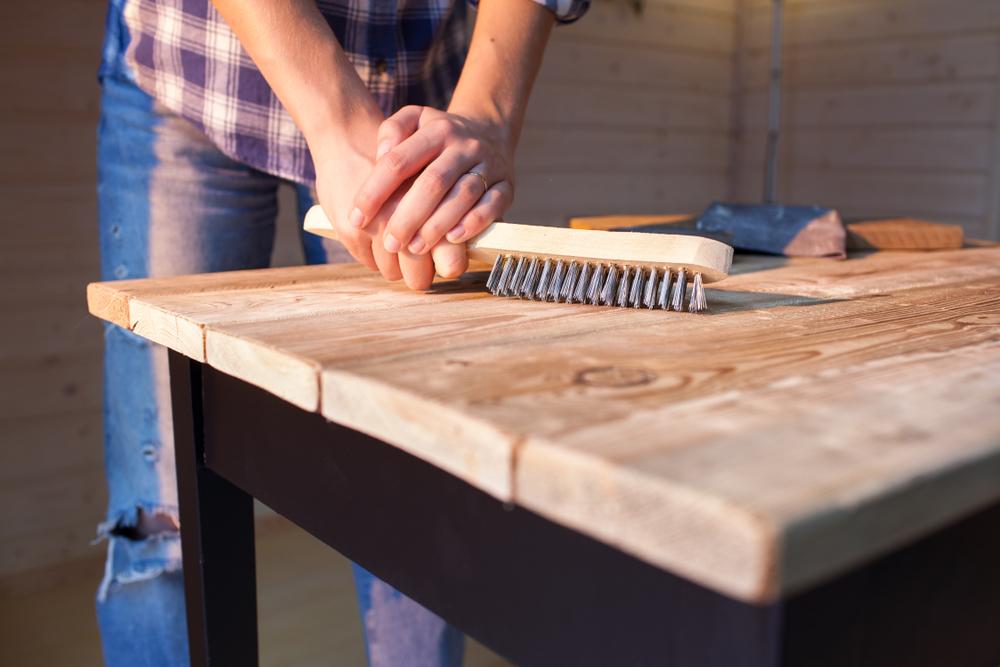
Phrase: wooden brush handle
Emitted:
{"points": [[711, 258]]}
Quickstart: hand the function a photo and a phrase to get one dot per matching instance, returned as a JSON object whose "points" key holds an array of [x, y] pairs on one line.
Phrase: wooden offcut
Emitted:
{"points": [[903, 234], [823, 414]]}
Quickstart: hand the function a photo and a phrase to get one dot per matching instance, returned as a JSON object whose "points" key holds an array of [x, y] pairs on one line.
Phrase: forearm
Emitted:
{"points": [[304, 64], [506, 51]]}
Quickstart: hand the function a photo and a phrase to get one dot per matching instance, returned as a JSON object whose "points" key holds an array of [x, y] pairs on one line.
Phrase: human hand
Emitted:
{"points": [[437, 150], [339, 173]]}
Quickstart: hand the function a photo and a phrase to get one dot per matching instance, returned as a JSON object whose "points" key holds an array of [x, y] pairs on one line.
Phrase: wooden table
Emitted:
{"points": [[809, 474]]}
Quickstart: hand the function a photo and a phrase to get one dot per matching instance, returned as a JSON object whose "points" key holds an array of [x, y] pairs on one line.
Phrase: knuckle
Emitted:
{"points": [[451, 269], [395, 162], [366, 202], [435, 182], [445, 128], [471, 187]]}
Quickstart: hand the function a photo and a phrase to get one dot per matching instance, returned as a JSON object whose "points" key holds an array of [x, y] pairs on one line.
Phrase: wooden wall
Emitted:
{"points": [[631, 113], [892, 107], [51, 490]]}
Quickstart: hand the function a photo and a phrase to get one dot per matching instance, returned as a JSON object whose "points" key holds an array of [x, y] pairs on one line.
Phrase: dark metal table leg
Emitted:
{"points": [[217, 538]]}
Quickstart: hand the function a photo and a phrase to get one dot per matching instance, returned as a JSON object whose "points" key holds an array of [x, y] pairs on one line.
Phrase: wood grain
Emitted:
{"points": [[821, 414]]}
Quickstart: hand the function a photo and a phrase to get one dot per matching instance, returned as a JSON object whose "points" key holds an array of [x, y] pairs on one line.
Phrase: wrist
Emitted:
{"points": [[500, 123], [343, 133]]}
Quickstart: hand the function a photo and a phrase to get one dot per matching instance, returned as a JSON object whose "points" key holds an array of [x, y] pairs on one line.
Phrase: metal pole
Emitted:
{"points": [[774, 104]]}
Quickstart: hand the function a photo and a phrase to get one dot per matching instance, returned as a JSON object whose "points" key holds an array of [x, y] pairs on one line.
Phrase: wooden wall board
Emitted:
{"points": [[749, 449], [933, 58], [825, 22]]}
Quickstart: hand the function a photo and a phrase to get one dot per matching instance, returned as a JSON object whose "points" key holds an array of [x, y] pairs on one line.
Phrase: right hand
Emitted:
{"points": [[339, 174]]}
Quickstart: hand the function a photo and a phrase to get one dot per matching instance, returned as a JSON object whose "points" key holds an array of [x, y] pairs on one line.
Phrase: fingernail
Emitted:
{"points": [[382, 149], [390, 243], [356, 218], [457, 233], [417, 245]]}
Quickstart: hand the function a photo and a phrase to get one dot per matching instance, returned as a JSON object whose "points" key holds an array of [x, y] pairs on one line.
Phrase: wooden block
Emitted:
{"points": [[903, 234], [607, 222]]}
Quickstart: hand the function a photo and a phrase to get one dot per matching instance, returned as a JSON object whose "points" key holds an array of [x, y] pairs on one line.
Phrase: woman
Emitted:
{"points": [[206, 109]]}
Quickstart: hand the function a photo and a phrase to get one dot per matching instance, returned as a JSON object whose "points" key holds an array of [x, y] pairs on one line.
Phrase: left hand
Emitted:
{"points": [[445, 201]]}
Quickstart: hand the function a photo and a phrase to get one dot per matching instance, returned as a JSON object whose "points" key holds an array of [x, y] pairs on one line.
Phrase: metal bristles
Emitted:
{"points": [[594, 288], [580, 291], [515, 282], [623, 286], [491, 282], [543, 281], [557, 280], [569, 282], [677, 299], [610, 284], [621, 298], [663, 294], [698, 302], [649, 294], [525, 290]]}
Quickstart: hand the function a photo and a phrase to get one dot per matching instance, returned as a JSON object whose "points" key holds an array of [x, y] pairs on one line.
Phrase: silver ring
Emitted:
{"points": [[486, 186]]}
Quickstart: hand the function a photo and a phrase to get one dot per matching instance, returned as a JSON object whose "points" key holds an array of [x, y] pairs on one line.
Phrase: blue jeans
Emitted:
{"points": [[171, 203]]}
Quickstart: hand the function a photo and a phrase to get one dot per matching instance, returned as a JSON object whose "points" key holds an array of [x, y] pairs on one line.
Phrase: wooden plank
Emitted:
{"points": [[863, 193], [659, 25], [826, 22], [632, 107], [931, 59], [562, 195], [938, 104], [942, 149], [548, 148], [726, 538], [623, 66]]}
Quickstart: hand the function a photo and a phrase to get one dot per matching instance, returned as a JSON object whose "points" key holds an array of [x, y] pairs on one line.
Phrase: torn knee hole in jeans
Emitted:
{"points": [[143, 543], [146, 525]]}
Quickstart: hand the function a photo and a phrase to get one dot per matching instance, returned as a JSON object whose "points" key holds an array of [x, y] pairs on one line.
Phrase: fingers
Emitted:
{"points": [[397, 127], [429, 190], [417, 270], [450, 259], [491, 207], [361, 250], [465, 194], [358, 243], [399, 164], [387, 262]]}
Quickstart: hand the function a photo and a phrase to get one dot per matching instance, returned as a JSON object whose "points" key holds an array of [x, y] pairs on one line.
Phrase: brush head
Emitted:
{"points": [[595, 283]]}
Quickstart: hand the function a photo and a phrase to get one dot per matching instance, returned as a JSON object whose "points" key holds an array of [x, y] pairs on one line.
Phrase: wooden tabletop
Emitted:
{"points": [[824, 412]]}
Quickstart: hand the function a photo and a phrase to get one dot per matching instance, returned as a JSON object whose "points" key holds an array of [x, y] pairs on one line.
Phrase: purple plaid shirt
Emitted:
{"points": [[184, 54]]}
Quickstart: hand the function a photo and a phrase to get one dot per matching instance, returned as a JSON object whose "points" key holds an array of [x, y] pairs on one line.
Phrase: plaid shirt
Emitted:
{"points": [[184, 54]]}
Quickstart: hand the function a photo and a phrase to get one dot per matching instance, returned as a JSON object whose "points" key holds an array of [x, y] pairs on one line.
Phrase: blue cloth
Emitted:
{"points": [[183, 54], [171, 203]]}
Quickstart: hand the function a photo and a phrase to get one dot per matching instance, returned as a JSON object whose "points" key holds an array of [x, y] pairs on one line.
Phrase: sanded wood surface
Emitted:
{"points": [[823, 412]]}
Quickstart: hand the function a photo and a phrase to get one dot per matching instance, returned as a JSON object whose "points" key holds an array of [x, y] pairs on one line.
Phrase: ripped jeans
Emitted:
{"points": [[171, 203]]}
